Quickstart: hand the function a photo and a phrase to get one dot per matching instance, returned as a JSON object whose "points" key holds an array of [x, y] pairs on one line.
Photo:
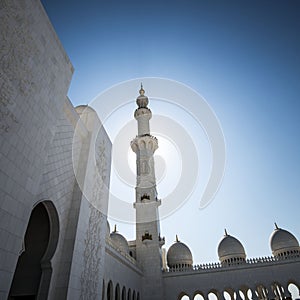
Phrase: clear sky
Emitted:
{"points": [[243, 57]]}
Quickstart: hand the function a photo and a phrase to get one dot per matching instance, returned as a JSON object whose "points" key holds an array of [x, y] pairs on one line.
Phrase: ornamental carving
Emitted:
{"points": [[146, 142], [100, 187], [90, 276]]}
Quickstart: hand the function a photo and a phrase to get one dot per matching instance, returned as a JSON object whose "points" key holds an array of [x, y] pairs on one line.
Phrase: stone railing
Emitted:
{"points": [[247, 262]]}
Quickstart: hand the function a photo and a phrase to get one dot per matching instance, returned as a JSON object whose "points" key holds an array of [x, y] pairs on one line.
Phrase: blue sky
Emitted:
{"points": [[243, 57]]}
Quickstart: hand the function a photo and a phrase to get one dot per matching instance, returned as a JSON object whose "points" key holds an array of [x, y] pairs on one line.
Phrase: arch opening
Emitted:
{"points": [[226, 295], [250, 294], [184, 297], [109, 292], [33, 272], [117, 292], [198, 296], [123, 293], [212, 295], [242, 295], [129, 294], [294, 291]]}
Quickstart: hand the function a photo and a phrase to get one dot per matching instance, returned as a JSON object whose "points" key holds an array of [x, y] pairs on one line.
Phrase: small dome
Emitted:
{"points": [[119, 241], [283, 242], [142, 100], [179, 255], [230, 249]]}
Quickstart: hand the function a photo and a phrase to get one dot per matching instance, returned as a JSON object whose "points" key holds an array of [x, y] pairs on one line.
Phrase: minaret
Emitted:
{"points": [[148, 240]]}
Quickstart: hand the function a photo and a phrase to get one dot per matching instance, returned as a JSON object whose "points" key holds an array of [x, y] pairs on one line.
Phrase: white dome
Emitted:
{"points": [[179, 255], [283, 242], [119, 241], [230, 249]]}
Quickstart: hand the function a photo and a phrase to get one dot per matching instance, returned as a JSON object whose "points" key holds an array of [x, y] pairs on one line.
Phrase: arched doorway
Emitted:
{"points": [[33, 271], [129, 294], [110, 291], [117, 292], [124, 293]]}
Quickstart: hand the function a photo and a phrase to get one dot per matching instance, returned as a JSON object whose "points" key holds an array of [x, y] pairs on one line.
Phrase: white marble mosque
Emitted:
{"points": [[55, 240]]}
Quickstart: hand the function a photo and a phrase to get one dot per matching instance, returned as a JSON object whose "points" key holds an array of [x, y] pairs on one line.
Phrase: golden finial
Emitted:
{"points": [[142, 92], [226, 234], [177, 240], [276, 227], [115, 229]]}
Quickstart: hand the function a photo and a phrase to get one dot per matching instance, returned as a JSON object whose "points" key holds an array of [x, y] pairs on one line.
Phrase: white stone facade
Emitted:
{"points": [[43, 140], [54, 189], [258, 275]]}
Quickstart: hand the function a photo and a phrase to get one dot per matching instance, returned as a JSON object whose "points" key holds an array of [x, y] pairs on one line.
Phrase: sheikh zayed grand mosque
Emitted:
{"points": [[55, 159]]}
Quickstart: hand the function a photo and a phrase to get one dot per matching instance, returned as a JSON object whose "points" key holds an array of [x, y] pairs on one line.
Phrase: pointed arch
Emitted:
{"points": [[183, 296], [129, 294], [226, 295], [117, 292], [40, 242], [294, 282], [213, 295], [198, 295], [294, 289], [110, 291], [123, 293]]}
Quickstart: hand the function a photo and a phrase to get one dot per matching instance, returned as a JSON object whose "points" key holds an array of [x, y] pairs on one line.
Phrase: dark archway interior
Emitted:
{"points": [[28, 272], [109, 291]]}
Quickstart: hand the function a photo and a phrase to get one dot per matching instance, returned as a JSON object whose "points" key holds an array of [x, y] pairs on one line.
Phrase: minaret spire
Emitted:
{"points": [[142, 92], [148, 240]]}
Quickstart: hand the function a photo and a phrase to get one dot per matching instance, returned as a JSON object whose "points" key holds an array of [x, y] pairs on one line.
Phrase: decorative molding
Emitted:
{"points": [[90, 276]]}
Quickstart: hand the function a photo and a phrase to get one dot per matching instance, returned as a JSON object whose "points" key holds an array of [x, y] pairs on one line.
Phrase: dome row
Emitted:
{"points": [[230, 249]]}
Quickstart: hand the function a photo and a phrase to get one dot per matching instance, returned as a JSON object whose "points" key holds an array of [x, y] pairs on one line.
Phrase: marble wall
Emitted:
{"points": [[47, 150]]}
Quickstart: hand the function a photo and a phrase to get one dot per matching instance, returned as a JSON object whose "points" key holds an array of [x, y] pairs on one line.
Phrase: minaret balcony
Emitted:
{"points": [[144, 112], [144, 142]]}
